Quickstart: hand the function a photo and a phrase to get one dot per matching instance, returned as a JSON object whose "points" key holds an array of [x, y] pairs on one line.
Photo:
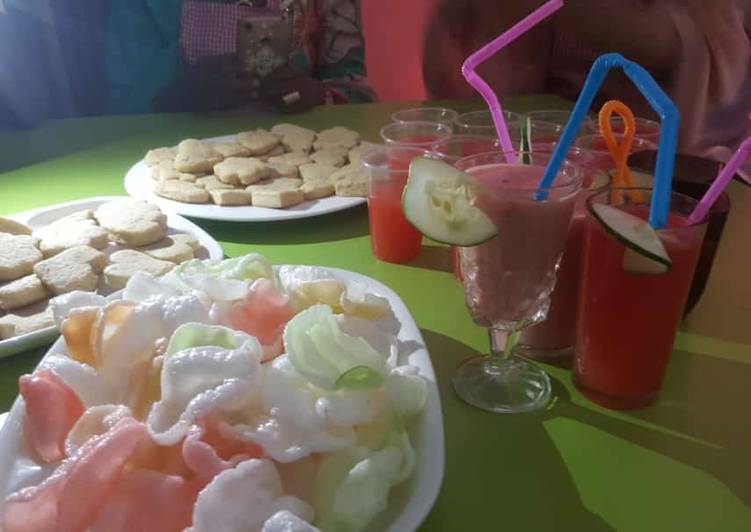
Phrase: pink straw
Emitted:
{"points": [[721, 181], [479, 84]]}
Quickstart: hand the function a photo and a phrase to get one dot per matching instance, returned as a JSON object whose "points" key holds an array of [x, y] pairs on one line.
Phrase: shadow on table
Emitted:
{"points": [[704, 404], [342, 225], [433, 257], [11, 368], [502, 472]]}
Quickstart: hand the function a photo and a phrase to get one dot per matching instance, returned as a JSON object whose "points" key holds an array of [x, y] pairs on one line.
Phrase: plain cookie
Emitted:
{"points": [[295, 138], [186, 238], [172, 249], [70, 232], [336, 137], [351, 187], [166, 171], [194, 156], [157, 155], [284, 170], [278, 199], [232, 197], [74, 269], [211, 182], [242, 171], [355, 154], [317, 189], [231, 149], [336, 156], [258, 141], [135, 223], [181, 191], [22, 292], [13, 227], [126, 262], [18, 254], [13, 325], [279, 183], [279, 150], [316, 172]]}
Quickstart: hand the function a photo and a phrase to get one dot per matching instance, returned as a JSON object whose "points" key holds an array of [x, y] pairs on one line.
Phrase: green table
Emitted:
{"points": [[680, 465]]}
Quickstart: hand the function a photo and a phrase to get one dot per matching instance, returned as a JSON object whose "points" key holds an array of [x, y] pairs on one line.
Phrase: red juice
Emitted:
{"points": [[392, 237], [627, 321]]}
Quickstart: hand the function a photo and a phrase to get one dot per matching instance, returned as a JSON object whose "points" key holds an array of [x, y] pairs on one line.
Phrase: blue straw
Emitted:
{"points": [[663, 106]]}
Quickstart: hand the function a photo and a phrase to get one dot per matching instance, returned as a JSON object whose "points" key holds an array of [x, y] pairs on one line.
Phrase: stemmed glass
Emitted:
{"points": [[508, 279]]}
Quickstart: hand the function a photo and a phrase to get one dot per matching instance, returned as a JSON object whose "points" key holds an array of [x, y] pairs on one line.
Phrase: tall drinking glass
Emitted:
{"points": [[628, 320], [508, 280], [440, 115]]}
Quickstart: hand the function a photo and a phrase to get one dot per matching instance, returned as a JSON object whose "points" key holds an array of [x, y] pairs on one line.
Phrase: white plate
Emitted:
{"points": [[139, 184], [40, 217], [409, 503]]}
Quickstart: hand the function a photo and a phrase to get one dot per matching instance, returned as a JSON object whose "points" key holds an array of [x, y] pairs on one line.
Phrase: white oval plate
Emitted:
{"points": [[138, 183], [409, 503], [40, 217]]}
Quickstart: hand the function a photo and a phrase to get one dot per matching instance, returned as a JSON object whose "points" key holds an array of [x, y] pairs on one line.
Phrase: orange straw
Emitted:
{"points": [[620, 152]]}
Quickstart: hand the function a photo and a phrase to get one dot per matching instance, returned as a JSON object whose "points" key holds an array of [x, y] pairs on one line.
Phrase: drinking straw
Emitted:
{"points": [[620, 152], [721, 181], [482, 54], [663, 106]]}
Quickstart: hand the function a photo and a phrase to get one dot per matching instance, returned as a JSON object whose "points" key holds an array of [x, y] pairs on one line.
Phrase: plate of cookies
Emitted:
{"points": [[94, 245], [285, 173]]}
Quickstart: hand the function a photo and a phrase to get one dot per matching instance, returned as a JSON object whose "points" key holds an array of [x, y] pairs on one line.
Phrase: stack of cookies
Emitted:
{"points": [[278, 169], [86, 250]]}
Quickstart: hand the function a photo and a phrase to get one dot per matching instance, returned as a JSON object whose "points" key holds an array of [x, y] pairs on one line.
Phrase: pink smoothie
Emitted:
{"points": [[557, 333], [508, 279]]}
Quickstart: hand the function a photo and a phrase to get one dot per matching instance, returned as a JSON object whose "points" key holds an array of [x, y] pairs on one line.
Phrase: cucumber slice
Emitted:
{"points": [[439, 201], [644, 250]]}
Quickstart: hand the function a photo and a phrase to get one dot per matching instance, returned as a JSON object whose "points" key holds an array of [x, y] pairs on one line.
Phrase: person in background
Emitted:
{"points": [[140, 56], [698, 50]]}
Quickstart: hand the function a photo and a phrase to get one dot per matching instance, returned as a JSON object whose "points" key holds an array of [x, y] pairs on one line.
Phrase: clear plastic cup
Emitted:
{"points": [[440, 115], [392, 237], [481, 123], [457, 147], [645, 129], [596, 145]]}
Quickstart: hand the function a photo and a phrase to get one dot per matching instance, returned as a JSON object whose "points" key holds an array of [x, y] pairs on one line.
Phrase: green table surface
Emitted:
{"points": [[682, 464]]}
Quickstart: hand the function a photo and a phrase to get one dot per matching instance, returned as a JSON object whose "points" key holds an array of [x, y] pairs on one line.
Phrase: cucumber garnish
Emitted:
{"points": [[644, 250], [439, 201]]}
